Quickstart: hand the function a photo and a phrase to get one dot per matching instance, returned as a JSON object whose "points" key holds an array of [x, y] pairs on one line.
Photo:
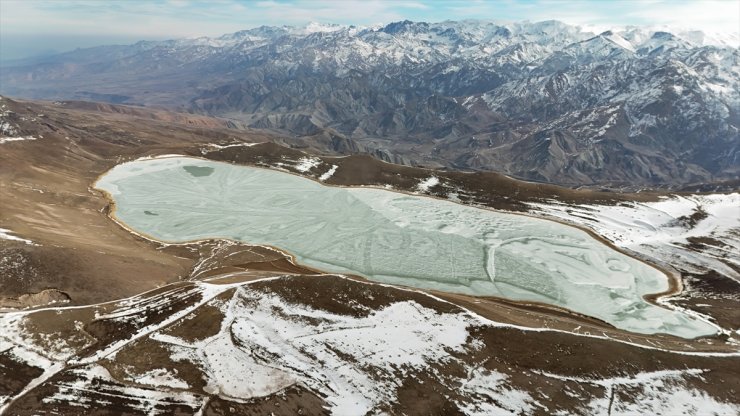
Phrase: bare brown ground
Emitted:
{"points": [[715, 295], [14, 375], [145, 355], [294, 400], [201, 325]]}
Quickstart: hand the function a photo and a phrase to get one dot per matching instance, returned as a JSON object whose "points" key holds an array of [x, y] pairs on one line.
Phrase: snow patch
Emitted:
{"points": [[426, 184], [328, 174], [658, 392], [165, 156], [160, 377], [78, 393], [227, 146], [13, 139], [620, 41], [500, 398], [5, 234], [307, 163]]}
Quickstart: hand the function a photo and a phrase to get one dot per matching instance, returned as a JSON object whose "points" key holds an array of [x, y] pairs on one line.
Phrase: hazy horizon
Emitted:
{"points": [[33, 28]]}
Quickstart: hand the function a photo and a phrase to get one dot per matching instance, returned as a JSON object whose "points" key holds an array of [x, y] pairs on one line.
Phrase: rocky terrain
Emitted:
{"points": [[627, 108], [98, 320]]}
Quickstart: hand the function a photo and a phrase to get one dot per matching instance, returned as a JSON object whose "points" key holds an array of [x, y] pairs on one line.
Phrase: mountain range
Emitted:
{"points": [[627, 108]]}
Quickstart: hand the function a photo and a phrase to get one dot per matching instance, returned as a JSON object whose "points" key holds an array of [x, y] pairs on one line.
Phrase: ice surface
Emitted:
{"points": [[395, 238]]}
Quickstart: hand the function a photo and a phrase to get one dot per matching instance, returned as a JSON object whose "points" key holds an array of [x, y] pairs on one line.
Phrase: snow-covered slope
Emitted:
{"points": [[317, 344], [695, 236], [665, 230]]}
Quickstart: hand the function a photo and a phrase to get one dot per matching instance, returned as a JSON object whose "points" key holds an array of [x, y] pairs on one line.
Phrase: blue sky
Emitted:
{"points": [[29, 27]]}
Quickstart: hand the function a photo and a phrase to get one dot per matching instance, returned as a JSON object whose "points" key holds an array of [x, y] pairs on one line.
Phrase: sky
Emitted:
{"points": [[35, 27]]}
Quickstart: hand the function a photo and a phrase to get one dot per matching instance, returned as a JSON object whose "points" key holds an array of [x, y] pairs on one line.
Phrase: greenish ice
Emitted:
{"points": [[395, 238]]}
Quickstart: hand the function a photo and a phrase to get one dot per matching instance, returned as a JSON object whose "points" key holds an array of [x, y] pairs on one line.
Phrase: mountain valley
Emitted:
{"points": [[630, 108]]}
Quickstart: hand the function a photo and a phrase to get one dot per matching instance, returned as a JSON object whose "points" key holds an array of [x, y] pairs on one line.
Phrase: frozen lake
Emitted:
{"points": [[394, 238]]}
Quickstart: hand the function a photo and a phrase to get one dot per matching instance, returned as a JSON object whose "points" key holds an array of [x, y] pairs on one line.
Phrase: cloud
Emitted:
{"points": [[713, 16], [707, 15], [344, 12], [412, 5]]}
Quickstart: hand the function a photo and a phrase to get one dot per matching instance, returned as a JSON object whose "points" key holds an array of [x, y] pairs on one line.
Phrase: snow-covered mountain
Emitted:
{"points": [[545, 101]]}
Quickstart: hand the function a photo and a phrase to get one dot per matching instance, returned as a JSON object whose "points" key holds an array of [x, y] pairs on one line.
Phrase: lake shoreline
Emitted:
{"points": [[674, 284]]}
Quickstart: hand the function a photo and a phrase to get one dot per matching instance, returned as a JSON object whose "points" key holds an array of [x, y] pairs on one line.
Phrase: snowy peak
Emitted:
{"points": [[617, 40], [405, 26], [602, 45], [315, 27], [638, 35], [663, 42], [700, 38], [476, 39]]}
